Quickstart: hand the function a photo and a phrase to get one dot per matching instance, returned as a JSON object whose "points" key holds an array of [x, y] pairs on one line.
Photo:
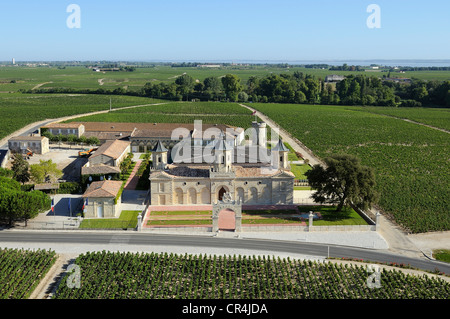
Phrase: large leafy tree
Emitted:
{"points": [[44, 171], [344, 181], [185, 84], [20, 205], [20, 169], [212, 87], [232, 86]]}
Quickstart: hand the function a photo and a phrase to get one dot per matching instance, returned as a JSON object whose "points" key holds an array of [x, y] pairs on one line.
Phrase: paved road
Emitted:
{"points": [[266, 246]]}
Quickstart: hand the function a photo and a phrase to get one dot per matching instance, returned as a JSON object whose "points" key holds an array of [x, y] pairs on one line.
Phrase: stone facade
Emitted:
{"points": [[100, 199], [170, 189], [37, 144], [102, 208], [76, 129]]}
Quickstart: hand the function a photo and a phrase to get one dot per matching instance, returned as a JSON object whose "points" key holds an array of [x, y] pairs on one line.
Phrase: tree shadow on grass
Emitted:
{"points": [[328, 213]]}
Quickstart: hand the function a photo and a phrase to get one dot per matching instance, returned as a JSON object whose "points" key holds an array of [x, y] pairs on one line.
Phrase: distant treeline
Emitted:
{"points": [[290, 88]]}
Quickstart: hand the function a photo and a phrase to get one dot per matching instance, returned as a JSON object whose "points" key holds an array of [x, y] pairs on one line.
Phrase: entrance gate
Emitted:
{"points": [[223, 207]]}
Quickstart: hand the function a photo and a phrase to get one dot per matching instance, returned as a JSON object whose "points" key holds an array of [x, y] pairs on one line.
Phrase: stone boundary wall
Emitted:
{"points": [[343, 228], [271, 228], [187, 229], [267, 228]]}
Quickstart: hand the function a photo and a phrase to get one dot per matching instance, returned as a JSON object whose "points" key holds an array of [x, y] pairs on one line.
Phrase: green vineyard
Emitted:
{"points": [[181, 112], [22, 270], [118, 275], [410, 160], [19, 110]]}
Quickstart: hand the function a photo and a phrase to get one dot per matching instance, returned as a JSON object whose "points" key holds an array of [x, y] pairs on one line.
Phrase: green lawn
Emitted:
{"points": [[269, 212], [271, 220], [302, 188], [299, 170], [127, 219], [176, 213], [347, 216], [145, 155], [442, 255], [179, 222]]}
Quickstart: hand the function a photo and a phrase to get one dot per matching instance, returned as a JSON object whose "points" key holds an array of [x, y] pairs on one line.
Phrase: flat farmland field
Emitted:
{"points": [[13, 79], [411, 161]]}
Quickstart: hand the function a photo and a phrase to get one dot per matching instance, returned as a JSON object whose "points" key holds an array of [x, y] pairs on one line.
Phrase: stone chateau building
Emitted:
{"points": [[251, 175]]}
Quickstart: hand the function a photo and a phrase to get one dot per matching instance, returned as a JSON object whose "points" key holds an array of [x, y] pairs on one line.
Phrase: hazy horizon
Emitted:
{"points": [[365, 62]]}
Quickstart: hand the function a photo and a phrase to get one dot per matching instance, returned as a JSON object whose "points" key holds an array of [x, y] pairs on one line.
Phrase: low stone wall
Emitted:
{"points": [[188, 229], [343, 228], [272, 228]]}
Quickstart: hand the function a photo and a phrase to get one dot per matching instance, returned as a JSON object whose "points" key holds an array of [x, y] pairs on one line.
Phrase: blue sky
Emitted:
{"points": [[219, 30]]}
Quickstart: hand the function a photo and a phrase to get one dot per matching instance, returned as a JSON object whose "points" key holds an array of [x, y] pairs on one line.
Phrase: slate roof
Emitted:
{"points": [[280, 147], [159, 147]]}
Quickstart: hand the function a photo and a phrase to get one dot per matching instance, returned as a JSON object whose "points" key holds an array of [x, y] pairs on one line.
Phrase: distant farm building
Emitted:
{"points": [[334, 78], [209, 66], [398, 80]]}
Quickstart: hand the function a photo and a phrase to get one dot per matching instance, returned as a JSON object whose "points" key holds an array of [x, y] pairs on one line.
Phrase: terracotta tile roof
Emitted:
{"points": [[261, 171], [148, 129], [27, 138], [108, 126], [182, 171], [113, 149], [103, 189], [158, 133], [63, 125], [108, 135]]}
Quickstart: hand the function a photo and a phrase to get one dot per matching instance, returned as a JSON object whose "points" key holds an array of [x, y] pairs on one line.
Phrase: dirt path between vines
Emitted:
{"points": [[48, 283], [41, 84]]}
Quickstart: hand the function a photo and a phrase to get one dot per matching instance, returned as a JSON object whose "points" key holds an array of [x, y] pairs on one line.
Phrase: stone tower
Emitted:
{"points": [[260, 129], [280, 155], [159, 156], [222, 156]]}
